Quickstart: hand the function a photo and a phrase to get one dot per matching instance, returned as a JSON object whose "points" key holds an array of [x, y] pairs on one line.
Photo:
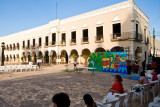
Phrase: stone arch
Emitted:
{"points": [[40, 55], [46, 57], [34, 57], [74, 55], [10, 57], [7, 58], [14, 57], [17, 57], [53, 57], [100, 49], [23, 58], [85, 55], [64, 56], [28, 56], [117, 49]]}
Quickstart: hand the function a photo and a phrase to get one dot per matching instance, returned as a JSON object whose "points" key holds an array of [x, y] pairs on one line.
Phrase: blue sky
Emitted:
{"points": [[20, 15]]}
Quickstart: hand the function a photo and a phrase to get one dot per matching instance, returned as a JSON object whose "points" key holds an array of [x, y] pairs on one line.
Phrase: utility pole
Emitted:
{"points": [[153, 41]]}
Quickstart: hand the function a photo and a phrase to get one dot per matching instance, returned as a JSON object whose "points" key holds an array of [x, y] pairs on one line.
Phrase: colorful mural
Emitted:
{"points": [[109, 61]]}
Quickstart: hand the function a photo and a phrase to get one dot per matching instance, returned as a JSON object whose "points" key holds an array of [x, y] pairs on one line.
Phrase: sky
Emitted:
{"points": [[20, 15]]}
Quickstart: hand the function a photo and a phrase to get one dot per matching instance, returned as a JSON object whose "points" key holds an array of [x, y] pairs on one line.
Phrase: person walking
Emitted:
{"points": [[75, 64]]}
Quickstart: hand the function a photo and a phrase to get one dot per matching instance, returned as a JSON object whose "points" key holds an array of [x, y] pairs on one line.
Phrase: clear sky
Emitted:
{"points": [[20, 15]]}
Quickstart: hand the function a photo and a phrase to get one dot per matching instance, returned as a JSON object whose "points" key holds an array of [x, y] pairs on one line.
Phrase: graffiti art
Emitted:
{"points": [[109, 61]]}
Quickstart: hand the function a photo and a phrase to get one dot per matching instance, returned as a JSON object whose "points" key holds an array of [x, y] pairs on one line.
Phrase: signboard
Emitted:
{"points": [[39, 60]]}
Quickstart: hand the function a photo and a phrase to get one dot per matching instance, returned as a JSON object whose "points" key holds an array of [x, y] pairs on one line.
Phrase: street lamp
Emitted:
{"points": [[2, 61]]}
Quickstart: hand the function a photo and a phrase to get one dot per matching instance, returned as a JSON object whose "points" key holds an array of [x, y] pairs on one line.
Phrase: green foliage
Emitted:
{"points": [[22, 58], [73, 56], [29, 57]]}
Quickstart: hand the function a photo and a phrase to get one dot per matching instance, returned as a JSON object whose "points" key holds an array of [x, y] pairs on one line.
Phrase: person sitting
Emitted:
{"points": [[89, 102], [61, 100], [143, 79], [117, 86], [154, 76]]}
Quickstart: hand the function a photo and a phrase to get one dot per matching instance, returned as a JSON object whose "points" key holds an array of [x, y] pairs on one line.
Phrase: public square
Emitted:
{"points": [[36, 88]]}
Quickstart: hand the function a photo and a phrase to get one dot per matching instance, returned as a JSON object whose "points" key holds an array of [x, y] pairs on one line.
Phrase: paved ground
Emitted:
{"points": [[36, 88]]}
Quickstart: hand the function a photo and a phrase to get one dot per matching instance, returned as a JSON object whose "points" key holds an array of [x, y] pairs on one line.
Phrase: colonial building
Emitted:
{"points": [[120, 27], [157, 47]]}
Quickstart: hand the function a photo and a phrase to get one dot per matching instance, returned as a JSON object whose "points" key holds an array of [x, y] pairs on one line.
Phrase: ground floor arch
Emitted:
{"points": [[23, 58], [64, 57], [34, 57], [85, 56], [7, 58], [74, 55], [53, 57], [28, 56], [17, 57], [46, 57], [100, 49], [117, 49]]}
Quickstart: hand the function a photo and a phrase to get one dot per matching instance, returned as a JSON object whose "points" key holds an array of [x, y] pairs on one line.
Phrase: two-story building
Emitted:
{"points": [[120, 27]]}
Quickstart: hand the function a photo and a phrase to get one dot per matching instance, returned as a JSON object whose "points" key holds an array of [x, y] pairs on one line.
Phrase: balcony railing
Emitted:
{"points": [[84, 40], [23, 47], [45, 45], [52, 44], [73, 42], [63, 43], [126, 36], [33, 46], [99, 39]]}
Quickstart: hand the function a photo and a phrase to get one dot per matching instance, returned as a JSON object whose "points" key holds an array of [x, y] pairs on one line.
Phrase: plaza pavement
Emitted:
{"points": [[36, 88]]}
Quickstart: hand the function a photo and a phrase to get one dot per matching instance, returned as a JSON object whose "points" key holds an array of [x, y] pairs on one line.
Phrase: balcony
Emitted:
{"points": [[147, 41], [73, 42], [99, 39], [52, 44], [22, 47], [85, 40], [45, 45], [126, 36], [63, 43], [28, 47], [33, 46]]}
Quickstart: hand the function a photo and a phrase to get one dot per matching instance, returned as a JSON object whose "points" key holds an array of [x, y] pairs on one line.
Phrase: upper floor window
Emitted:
{"points": [[85, 35], [28, 43], [144, 35], [34, 42], [40, 41], [99, 35], [73, 37], [46, 41], [23, 44], [53, 38], [116, 30], [63, 38]]}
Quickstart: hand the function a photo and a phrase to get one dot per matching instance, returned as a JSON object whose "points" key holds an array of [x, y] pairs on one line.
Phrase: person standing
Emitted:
{"points": [[75, 64], [144, 65]]}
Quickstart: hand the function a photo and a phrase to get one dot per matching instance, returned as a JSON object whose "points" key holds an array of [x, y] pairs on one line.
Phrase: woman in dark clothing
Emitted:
{"points": [[89, 101]]}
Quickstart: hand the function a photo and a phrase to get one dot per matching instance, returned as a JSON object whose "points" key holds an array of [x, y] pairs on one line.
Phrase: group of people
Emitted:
{"points": [[62, 99]]}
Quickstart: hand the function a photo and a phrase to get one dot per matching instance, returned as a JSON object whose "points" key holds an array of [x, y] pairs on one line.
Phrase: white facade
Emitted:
{"points": [[120, 27]]}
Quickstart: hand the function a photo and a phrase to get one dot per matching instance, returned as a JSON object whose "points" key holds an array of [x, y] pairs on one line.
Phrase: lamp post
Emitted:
{"points": [[2, 61]]}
